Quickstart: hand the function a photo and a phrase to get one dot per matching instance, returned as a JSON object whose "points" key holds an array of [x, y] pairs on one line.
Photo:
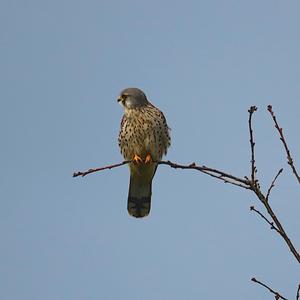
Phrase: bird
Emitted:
{"points": [[143, 140]]}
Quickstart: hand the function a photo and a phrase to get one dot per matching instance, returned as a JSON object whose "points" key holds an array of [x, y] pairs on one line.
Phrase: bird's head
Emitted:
{"points": [[132, 98]]}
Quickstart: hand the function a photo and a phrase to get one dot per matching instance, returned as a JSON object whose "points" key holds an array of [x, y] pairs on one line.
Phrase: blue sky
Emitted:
{"points": [[203, 63]]}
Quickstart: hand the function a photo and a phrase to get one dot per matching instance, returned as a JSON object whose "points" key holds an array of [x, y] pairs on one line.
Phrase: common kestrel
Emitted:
{"points": [[144, 138]]}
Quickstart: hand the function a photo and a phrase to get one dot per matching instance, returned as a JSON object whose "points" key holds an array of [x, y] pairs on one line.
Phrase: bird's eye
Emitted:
{"points": [[122, 98]]}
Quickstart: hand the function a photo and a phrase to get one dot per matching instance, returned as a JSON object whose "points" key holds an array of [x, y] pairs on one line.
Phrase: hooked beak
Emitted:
{"points": [[120, 98]]}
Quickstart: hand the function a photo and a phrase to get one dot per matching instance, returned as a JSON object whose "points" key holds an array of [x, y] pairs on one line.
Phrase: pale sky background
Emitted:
{"points": [[62, 66]]}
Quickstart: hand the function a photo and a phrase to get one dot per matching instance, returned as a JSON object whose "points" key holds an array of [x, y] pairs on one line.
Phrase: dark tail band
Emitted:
{"points": [[139, 207]]}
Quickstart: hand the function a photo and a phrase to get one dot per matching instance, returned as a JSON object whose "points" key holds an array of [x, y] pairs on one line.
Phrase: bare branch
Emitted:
{"points": [[251, 111], [252, 208], [282, 138], [225, 177], [277, 295], [298, 292], [273, 184]]}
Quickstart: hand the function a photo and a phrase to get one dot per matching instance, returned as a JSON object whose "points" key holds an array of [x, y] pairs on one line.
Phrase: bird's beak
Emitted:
{"points": [[120, 98]]}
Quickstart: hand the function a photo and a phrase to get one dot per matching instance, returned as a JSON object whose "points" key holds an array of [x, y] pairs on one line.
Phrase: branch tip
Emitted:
{"points": [[273, 184], [277, 295], [252, 109]]}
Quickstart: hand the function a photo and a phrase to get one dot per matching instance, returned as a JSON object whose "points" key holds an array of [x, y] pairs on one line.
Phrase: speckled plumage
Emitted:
{"points": [[144, 131]]}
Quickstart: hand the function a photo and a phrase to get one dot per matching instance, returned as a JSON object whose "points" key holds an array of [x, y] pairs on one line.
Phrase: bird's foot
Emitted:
{"points": [[136, 159], [148, 159]]}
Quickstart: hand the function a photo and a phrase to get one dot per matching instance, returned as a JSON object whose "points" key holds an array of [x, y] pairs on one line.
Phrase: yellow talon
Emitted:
{"points": [[148, 159], [136, 159]]}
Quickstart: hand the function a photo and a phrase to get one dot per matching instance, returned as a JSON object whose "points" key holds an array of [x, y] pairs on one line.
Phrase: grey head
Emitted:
{"points": [[133, 98]]}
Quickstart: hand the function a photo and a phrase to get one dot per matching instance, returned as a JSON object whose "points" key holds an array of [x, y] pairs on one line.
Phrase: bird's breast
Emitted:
{"points": [[142, 134]]}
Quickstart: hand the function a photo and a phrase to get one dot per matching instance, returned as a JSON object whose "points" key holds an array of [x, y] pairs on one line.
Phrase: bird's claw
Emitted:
{"points": [[148, 159], [136, 159]]}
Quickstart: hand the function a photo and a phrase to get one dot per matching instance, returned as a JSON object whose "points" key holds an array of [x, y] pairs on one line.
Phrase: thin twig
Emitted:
{"points": [[273, 184], [252, 208], [277, 295], [298, 292], [89, 171], [251, 111], [282, 138], [221, 175]]}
